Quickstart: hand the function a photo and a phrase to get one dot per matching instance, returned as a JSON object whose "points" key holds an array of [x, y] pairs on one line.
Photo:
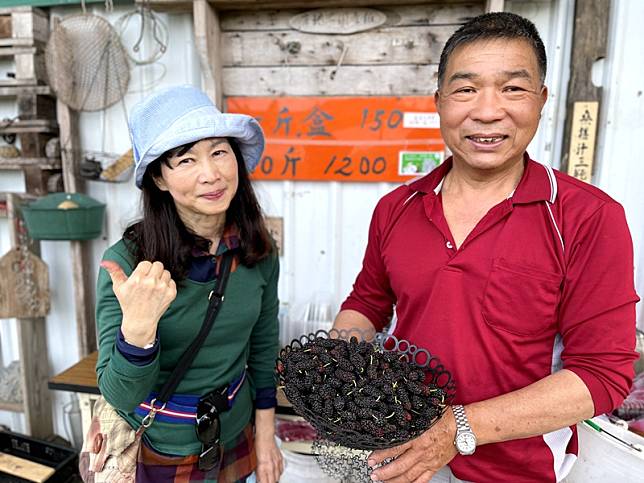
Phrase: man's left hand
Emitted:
{"points": [[419, 459]]}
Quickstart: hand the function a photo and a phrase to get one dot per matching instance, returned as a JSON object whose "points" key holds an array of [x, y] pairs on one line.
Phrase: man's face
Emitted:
{"points": [[490, 103]]}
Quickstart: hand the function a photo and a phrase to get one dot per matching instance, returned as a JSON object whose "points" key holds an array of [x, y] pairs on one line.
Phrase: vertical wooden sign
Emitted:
{"points": [[589, 42], [582, 140]]}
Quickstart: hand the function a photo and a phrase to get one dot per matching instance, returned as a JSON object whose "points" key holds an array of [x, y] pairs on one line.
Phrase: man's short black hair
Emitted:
{"points": [[490, 26]]}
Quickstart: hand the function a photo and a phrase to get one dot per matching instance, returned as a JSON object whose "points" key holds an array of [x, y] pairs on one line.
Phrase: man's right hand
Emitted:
{"points": [[144, 297], [421, 458]]}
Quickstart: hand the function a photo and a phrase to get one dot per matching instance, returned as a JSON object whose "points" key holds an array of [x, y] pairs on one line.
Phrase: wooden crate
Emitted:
{"points": [[23, 26], [22, 162], [29, 65], [29, 126], [33, 106], [15, 90], [23, 34], [33, 134]]}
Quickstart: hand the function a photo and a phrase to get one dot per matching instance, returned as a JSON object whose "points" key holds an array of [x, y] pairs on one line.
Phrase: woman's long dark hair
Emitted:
{"points": [[162, 236]]}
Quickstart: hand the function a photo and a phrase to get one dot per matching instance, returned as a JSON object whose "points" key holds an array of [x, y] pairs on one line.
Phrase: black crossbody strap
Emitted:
{"points": [[216, 299]]}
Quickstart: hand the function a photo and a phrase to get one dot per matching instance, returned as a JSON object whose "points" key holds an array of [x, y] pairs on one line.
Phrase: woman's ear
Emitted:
{"points": [[160, 182]]}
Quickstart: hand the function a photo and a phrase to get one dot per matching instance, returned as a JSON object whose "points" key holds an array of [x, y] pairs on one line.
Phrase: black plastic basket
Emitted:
{"points": [[435, 373], [63, 460]]}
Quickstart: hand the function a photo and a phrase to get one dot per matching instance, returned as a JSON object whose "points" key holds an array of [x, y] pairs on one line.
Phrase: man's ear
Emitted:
{"points": [[437, 101], [544, 94]]}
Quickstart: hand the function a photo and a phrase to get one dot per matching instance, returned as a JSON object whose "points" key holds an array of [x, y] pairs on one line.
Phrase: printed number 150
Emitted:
{"points": [[375, 119]]}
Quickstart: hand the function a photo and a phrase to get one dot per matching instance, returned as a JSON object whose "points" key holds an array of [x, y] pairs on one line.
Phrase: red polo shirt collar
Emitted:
{"points": [[537, 182]]}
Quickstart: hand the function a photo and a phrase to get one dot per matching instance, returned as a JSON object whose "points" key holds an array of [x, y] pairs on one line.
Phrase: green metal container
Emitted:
{"points": [[64, 216]]}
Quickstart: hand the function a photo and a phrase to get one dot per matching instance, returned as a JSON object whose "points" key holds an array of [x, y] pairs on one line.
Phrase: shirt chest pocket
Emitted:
{"points": [[519, 299]]}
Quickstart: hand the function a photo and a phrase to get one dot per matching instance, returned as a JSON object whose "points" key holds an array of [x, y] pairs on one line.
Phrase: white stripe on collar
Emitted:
{"points": [[554, 223], [553, 197], [438, 188], [553, 182], [410, 197]]}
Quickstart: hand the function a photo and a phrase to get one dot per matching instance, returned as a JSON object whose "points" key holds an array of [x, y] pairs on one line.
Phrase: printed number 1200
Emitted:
{"points": [[345, 166]]}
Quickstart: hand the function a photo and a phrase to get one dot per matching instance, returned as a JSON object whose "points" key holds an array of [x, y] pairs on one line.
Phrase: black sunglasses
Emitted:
{"points": [[208, 430]]}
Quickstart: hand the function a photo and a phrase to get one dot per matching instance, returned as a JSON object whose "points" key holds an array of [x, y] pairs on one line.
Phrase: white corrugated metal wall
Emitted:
{"points": [[325, 224], [620, 170]]}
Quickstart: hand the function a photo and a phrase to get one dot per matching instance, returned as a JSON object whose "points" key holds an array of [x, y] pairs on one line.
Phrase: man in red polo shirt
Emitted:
{"points": [[519, 277]]}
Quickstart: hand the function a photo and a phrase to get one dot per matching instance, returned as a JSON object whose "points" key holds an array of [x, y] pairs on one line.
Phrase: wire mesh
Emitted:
{"points": [[87, 66]]}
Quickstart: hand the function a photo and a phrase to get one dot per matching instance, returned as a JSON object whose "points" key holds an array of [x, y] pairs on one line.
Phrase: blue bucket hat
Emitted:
{"points": [[179, 115]]}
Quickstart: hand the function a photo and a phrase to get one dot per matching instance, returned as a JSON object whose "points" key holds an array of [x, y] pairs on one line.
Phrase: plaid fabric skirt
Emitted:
{"points": [[237, 463]]}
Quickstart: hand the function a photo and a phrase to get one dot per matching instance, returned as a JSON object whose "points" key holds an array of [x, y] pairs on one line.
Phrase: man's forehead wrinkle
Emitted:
{"points": [[463, 75], [506, 75], [519, 73]]}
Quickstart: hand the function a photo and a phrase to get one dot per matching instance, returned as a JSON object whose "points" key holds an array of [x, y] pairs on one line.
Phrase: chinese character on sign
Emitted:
{"points": [[316, 120], [581, 152], [290, 161], [283, 120], [581, 149], [581, 173], [586, 118]]}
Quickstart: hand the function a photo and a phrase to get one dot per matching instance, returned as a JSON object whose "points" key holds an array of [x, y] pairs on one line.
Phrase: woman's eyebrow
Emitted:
{"points": [[190, 151]]}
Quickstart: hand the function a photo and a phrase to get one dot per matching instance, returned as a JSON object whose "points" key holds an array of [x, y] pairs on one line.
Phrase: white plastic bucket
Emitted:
{"points": [[602, 459], [302, 468]]}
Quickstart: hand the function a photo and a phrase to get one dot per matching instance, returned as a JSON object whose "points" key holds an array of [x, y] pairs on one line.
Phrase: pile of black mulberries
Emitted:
{"points": [[346, 389]]}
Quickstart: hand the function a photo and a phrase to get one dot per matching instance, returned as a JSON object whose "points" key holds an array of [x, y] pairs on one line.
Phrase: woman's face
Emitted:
{"points": [[201, 181]]}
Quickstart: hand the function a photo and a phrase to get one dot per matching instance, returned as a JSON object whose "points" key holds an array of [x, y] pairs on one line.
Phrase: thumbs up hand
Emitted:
{"points": [[144, 297]]}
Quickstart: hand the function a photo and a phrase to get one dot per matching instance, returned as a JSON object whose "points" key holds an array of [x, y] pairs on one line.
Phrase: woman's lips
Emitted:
{"points": [[214, 195]]}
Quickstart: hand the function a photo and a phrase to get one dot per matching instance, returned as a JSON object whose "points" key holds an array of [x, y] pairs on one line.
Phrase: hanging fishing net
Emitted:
{"points": [[86, 64]]}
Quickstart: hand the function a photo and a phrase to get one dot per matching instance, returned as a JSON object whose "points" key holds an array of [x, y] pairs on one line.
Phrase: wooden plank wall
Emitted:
{"points": [[263, 56]]}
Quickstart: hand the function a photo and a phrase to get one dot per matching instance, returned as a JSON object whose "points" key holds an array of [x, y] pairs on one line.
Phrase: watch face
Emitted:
{"points": [[466, 443]]}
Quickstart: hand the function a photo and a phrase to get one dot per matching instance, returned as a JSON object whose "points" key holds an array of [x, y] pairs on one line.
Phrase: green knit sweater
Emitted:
{"points": [[245, 333]]}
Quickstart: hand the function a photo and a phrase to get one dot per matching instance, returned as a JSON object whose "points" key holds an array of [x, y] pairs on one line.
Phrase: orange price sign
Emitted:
{"points": [[345, 138]]}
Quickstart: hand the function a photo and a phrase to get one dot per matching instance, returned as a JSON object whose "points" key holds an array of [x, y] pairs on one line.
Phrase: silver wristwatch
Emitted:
{"points": [[465, 440]]}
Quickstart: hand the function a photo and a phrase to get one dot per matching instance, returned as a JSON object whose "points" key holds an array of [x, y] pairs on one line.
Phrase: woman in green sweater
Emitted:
{"points": [[192, 165]]}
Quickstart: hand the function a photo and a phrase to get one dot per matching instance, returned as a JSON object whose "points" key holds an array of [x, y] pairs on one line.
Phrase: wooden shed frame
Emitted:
{"points": [[208, 33], [208, 43]]}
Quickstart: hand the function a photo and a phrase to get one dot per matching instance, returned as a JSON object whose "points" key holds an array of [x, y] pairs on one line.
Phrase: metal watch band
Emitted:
{"points": [[462, 424], [465, 439]]}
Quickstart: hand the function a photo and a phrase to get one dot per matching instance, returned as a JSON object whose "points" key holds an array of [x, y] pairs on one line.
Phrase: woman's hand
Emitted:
{"points": [[269, 457], [144, 297]]}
